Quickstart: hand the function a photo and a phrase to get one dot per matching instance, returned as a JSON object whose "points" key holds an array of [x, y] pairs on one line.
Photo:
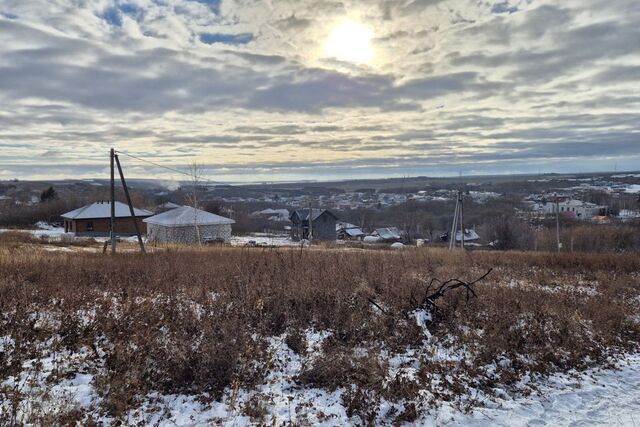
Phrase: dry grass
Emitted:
{"points": [[196, 321]]}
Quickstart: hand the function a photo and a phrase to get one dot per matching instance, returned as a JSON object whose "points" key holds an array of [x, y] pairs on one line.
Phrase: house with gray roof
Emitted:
{"points": [[94, 220], [322, 222], [348, 231], [188, 225], [388, 234]]}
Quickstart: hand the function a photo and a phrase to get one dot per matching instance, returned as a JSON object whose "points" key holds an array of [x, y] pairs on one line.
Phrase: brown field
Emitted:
{"points": [[197, 321]]}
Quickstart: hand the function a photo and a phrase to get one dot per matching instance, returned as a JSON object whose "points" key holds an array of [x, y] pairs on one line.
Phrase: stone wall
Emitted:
{"points": [[187, 234]]}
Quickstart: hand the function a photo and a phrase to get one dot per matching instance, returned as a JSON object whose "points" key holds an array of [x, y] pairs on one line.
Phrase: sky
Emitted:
{"points": [[280, 90]]}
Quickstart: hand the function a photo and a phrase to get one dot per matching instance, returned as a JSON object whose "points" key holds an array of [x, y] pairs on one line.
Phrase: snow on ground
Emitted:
{"points": [[597, 397], [43, 230], [633, 189], [593, 398], [262, 239]]}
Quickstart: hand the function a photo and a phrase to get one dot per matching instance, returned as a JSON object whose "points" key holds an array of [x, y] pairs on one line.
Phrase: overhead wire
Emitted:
{"points": [[190, 175]]}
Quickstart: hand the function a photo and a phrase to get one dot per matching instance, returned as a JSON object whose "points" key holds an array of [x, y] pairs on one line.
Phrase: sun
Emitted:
{"points": [[350, 41]]}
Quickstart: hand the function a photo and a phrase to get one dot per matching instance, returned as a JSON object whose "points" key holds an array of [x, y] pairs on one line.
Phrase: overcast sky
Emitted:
{"points": [[249, 89]]}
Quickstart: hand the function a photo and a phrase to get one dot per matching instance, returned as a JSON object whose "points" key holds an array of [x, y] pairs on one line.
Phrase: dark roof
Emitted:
{"points": [[303, 214], [388, 233]]}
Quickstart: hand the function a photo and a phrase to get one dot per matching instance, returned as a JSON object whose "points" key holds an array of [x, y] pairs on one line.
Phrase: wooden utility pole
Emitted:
{"points": [[454, 226], [310, 236], [558, 224], [112, 222], [458, 222], [133, 215], [461, 201]]}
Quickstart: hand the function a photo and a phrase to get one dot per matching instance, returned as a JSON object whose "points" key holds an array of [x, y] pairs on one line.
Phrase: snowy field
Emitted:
{"points": [[597, 397], [226, 336], [43, 230]]}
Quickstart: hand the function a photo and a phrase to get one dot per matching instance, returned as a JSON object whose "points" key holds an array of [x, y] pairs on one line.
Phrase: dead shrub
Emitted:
{"points": [[198, 321]]}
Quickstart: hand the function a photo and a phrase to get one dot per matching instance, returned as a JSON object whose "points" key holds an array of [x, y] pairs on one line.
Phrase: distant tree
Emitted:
{"points": [[213, 206], [48, 195]]}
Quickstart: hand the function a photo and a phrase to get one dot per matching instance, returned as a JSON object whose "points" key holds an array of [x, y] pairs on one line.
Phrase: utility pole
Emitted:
{"points": [[133, 215], [461, 201], [454, 226], [558, 223], [310, 236], [458, 222], [113, 204]]}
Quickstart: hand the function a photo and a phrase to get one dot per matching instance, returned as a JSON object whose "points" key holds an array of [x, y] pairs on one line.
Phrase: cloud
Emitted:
{"points": [[243, 86]]}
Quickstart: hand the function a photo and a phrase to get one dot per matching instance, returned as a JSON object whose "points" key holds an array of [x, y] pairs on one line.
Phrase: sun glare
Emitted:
{"points": [[350, 42]]}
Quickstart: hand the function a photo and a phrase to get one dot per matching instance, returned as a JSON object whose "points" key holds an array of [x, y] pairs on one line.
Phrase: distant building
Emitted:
{"points": [[277, 215], [628, 214], [323, 224], [347, 231], [572, 208], [94, 220], [185, 224], [387, 234], [470, 235]]}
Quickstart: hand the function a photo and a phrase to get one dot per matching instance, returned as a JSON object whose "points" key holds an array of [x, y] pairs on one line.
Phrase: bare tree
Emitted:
{"points": [[192, 196]]}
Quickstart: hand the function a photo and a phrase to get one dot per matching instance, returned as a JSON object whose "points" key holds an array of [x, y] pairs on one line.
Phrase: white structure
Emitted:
{"points": [[470, 235], [628, 214], [277, 215], [573, 208], [184, 224]]}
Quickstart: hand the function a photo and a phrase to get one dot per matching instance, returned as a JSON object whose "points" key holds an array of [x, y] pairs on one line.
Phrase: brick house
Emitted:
{"points": [[94, 220]]}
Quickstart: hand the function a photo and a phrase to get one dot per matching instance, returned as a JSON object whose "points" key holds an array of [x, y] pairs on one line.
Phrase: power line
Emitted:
{"points": [[190, 175]]}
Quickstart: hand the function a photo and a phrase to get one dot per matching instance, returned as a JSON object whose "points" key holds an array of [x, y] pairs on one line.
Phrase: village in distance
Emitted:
{"points": [[502, 212]]}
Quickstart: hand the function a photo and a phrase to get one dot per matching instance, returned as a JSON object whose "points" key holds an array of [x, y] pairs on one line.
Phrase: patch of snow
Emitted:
{"points": [[597, 397], [423, 319], [263, 240], [632, 189]]}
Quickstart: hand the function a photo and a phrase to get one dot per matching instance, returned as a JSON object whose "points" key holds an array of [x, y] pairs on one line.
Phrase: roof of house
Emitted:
{"points": [[350, 229], [388, 233], [100, 210], [469, 235], [303, 214], [273, 212], [187, 216]]}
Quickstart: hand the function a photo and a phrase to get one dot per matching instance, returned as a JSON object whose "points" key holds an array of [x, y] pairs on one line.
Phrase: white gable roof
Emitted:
{"points": [[99, 210], [187, 216]]}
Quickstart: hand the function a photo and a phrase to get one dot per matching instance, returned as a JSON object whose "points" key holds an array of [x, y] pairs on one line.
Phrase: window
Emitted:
{"points": [[89, 226]]}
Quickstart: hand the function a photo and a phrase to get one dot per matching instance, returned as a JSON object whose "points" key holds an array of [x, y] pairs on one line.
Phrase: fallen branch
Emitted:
{"points": [[429, 299]]}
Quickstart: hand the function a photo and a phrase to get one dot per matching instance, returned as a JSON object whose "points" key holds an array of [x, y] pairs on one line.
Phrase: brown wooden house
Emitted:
{"points": [[93, 220]]}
